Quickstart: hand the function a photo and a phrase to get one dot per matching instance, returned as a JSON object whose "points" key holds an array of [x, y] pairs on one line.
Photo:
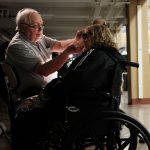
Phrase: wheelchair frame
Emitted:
{"points": [[84, 133]]}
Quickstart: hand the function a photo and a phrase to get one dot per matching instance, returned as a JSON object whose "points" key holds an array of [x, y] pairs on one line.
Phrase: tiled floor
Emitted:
{"points": [[139, 112]]}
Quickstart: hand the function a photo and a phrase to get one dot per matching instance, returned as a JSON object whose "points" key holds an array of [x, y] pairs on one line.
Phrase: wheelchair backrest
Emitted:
{"points": [[10, 75], [3, 93], [11, 83], [116, 80]]}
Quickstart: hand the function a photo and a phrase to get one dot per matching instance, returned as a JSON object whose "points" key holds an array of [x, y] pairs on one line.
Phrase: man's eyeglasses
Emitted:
{"points": [[86, 35], [36, 27]]}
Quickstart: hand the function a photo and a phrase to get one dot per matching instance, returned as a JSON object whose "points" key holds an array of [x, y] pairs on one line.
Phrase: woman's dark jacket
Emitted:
{"points": [[91, 71], [89, 76]]}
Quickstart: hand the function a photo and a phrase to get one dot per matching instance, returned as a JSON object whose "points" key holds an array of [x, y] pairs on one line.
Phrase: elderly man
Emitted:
{"points": [[30, 52]]}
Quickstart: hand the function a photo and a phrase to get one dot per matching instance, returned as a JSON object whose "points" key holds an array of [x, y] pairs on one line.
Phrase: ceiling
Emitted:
{"points": [[62, 18]]}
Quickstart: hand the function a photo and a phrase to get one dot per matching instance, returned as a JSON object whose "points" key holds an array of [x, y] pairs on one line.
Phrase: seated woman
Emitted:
{"points": [[90, 73]]}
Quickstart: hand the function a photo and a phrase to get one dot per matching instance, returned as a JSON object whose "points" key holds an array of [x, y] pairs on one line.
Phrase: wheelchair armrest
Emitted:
{"points": [[95, 97]]}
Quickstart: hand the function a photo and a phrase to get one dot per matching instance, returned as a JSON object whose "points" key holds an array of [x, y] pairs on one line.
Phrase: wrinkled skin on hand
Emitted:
{"points": [[73, 49], [79, 41]]}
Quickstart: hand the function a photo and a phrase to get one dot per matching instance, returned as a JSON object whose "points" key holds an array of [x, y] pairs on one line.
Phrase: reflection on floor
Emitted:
{"points": [[139, 112]]}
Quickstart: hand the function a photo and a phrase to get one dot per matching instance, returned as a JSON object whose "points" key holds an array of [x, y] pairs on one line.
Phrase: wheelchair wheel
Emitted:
{"points": [[122, 133]]}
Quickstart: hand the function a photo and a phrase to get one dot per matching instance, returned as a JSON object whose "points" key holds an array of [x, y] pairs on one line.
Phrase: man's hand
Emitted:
{"points": [[79, 41], [78, 35], [74, 49]]}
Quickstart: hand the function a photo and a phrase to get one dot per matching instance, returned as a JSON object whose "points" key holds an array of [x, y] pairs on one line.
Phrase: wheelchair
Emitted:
{"points": [[88, 125], [93, 121]]}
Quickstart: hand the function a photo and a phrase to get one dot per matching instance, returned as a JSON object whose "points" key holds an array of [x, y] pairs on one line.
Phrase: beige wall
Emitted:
{"points": [[146, 56], [134, 51]]}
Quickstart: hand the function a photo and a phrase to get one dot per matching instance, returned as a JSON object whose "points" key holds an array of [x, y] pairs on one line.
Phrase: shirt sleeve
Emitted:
{"points": [[49, 42], [22, 56]]}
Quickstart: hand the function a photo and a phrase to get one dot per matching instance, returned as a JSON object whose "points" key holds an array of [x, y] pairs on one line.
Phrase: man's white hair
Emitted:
{"points": [[23, 16]]}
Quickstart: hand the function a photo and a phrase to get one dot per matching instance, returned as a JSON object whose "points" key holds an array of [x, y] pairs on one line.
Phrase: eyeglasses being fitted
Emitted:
{"points": [[86, 35], [36, 27]]}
